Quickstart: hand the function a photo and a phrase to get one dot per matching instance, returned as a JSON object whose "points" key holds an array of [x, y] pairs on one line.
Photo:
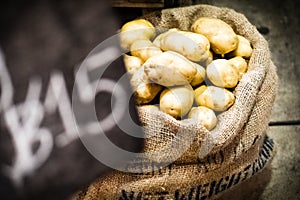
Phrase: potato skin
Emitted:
{"points": [[243, 49], [157, 40], [220, 34], [138, 29], [215, 98], [193, 46], [132, 63], [209, 59], [200, 75], [170, 69], [144, 49], [199, 90], [239, 64], [144, 90], [204, 116], [150, 108], [222, 74], [177, 101]]}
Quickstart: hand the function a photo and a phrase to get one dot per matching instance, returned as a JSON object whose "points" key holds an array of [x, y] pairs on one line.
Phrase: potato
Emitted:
{"points": [[132, 63], [200, 90], [222, 74], [239, 64], [204, 116], [170, 69], [145, 90], [157, 39], [243, 49], [150, 108], [220, 34], [177, 101], [215, 98], [193, 46], [135, 30], [210, 58], [200, 75], [144, 49]]}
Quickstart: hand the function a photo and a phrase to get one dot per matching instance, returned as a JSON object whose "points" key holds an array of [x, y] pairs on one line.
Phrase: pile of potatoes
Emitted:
{"points": [[185, 73]]}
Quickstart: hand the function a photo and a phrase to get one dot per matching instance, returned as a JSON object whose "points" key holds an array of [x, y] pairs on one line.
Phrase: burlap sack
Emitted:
{"points": [[240, 145]]}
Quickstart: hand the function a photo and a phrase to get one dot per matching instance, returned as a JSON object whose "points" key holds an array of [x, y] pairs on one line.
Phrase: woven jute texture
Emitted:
{"points": [[213, 161]]}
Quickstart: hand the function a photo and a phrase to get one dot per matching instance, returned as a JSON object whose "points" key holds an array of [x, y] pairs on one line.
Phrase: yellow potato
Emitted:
{"points": [[150, 108], [222, 74], [221, 36], [200, 90], [239, 64], [157, 39], [215, 98], [132, 63], [200, 75], [243, 49], [193, 46], [135, 30], [145, 90], [170, 69], [177, 101], [144, 49], [209, 59], [204, 116]]}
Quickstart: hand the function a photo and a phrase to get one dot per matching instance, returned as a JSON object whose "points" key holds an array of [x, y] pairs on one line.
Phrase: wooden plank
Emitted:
{"points": [[138, 4], [144, 1], [281, 179]]}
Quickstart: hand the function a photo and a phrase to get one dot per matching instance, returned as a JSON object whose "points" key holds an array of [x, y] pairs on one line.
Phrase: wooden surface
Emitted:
{"points": [[281, 179], [138, 4]]}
